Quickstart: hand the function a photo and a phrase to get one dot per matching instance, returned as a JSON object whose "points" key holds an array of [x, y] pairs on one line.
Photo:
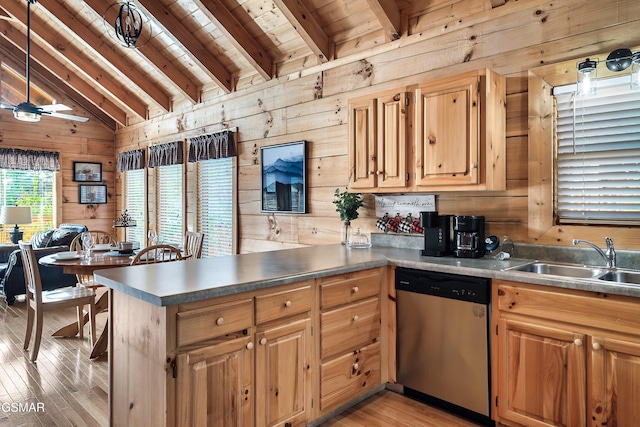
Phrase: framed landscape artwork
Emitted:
{"points": [[92, 194], [283, 173], [87, 172]]}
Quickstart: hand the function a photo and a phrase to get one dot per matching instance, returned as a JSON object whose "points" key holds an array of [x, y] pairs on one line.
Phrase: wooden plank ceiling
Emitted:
{"points": [[195, 50]]}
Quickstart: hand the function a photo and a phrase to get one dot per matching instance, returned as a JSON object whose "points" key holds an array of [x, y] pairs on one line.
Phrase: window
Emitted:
{"points": [[169, 203], [135, 204], [598, 155], [29, 188], [216, 206]]}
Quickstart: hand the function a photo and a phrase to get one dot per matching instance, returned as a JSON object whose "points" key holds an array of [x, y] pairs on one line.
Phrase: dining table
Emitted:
{"points": [[86, 266]]}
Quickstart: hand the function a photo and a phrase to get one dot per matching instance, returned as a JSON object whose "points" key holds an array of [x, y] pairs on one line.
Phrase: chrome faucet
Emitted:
{"points": [[609, 255]]}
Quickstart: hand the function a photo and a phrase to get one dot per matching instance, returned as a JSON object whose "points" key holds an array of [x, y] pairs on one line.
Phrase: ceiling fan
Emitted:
{"points": [[27, 111]]}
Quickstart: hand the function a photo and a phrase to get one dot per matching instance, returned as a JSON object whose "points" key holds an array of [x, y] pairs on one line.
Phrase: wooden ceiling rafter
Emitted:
{"points": [[238, 36], [185, 38], [388, 14], [152, 52], [75, 62], [307, 27]]}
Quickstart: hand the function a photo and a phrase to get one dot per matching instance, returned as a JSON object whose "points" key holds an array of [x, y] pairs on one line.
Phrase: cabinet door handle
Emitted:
{"points": [[219, 321], [379, 172], [355, 289], [249, 345], [355, 318], [578, 342], [287, 303], [355, 366], [596, 346], [263, 341]]}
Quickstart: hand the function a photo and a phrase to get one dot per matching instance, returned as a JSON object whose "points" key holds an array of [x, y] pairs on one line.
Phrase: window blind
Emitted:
{"points": [[169, 203], [598, 156], [216, 206], [135, 204]]}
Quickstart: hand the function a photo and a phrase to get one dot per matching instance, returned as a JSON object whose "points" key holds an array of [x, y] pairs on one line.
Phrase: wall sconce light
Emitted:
{"points": [[618, 60]]}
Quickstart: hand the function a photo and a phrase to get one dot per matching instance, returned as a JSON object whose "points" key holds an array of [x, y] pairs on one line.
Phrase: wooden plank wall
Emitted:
{"points": [[511, 39], [85, 142]]}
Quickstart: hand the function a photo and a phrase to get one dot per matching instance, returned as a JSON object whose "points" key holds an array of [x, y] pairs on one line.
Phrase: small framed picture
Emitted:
{"points": [[283, 174], [87, 172], [92, 194]]}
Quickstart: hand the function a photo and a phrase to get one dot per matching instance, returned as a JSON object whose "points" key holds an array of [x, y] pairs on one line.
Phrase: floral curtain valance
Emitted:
{"points": [[131, 160], [13, 158], [166, 154], [215, 146]]}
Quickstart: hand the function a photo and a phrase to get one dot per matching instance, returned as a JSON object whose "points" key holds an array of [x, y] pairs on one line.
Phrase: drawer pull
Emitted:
{"points": [[355, 289], [287, 304], [263, 341], [219, 321], [356, 366], [355, 318], [578, 342], [249, 345], [596, 346]]}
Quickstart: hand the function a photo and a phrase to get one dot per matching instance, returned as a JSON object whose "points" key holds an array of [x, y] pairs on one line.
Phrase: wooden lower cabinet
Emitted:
{"points": [[565, 357]]}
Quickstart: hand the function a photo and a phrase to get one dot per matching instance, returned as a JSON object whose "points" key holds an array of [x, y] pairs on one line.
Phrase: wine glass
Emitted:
{"points": [[88, 244]]}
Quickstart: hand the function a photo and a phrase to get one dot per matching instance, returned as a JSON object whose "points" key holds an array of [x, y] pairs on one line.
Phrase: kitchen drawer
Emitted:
{"points": [[346, 377], [283, 304], [210, 322], [349, 287], [349, 327]]}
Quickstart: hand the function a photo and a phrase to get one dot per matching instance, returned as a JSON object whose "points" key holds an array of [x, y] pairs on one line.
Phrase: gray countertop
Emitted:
{"points": [[193, 280]]}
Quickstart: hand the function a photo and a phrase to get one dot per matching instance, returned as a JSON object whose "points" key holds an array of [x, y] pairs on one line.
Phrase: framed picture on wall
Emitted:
{"points": [[283, 172], [92, 194], [87, 172]]}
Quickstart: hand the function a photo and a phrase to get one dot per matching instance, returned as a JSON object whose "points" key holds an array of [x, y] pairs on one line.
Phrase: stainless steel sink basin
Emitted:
{"points": [[629, 277], [566, 270]]}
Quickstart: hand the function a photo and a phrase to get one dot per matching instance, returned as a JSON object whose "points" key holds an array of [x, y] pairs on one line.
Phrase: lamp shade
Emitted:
{"points": [[15, 215]]}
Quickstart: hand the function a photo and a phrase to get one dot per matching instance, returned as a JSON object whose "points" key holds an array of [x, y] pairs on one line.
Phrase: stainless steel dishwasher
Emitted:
{"points": [[443, 341]]}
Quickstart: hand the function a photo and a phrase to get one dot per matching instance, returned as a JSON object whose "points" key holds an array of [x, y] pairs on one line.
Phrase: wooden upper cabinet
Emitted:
{"points": [[378, 141], [460, 129]]}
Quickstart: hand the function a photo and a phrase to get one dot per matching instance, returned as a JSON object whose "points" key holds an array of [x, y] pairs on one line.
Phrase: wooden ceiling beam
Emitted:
{"points": [[15, 39], [126, 68], [246, 44], [306, 26], [153, 52], [388, 15], [76, 61], [192, 46]]}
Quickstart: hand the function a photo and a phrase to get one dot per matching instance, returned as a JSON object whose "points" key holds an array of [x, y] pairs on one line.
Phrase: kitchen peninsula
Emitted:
{"points": [[285, 337]]}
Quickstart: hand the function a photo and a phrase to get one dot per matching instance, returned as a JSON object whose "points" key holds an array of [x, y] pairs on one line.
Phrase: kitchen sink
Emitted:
{"points": [[566, 270], [629, 277]]}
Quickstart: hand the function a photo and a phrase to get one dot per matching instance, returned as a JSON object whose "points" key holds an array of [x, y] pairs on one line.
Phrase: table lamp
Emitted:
{"points": [[15, 215]]}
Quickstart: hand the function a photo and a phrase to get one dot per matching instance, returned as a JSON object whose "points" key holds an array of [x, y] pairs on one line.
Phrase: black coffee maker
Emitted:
{"points": [[437, 234], [468, 236]]}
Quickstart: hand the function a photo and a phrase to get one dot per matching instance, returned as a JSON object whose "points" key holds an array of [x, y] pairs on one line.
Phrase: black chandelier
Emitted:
{"points": [[131, 26]]}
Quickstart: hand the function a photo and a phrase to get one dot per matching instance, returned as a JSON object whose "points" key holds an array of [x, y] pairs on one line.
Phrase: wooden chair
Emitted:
{"points": [[38, 301], [192, 244], [100, 238], [157, 253]]}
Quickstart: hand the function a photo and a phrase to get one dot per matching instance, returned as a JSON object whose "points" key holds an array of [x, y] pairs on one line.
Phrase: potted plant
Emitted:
{"points": [[347, 205]]}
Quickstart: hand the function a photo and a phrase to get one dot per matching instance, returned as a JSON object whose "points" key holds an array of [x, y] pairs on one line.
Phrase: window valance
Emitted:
{"points": [[13, 158], [214, 146], [131, 160], [166, 154]]}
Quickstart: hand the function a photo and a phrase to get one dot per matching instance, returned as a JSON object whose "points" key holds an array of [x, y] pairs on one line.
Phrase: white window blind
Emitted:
{"points": [[135, 204], [216, 205], [28, 188], [598, 156], [169, 203]]}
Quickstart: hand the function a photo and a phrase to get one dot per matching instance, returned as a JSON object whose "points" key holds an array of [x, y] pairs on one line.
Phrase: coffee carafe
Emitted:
{"points": [[437, 234], [468, 236]]}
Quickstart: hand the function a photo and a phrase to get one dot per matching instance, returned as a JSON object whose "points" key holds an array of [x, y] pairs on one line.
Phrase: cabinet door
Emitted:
{"points": [[392, 140], [447, 132], [362, 143], [541, 374], [214, 385], [615, 368], [283, 375]]}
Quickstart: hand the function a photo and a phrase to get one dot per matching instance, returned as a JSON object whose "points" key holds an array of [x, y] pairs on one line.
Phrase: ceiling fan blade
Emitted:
{"points": [[66, 116], [7, 107], [55, 107]]}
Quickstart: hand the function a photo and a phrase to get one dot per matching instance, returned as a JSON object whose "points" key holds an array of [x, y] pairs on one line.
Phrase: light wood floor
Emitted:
{"points": [[73, 390]]}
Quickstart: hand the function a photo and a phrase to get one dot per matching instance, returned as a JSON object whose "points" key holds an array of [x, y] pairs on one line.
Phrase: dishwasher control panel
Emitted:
{"points": [[446, 285]]}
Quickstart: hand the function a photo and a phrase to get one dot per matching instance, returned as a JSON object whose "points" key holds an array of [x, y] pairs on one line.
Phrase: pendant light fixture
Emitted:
{"points": [[131, 27]]}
